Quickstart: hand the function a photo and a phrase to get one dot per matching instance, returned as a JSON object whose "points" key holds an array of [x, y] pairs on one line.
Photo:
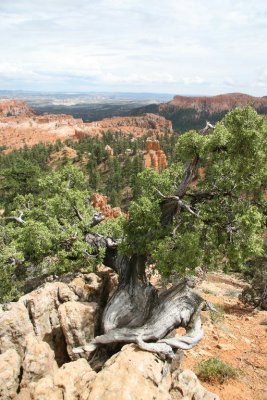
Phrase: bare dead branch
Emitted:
{"points": [[96, 219], [18, 219], [207, 128]]}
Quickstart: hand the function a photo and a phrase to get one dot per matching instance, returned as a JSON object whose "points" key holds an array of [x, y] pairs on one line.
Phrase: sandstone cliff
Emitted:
{"points": [[16, 132], [222, 102]]}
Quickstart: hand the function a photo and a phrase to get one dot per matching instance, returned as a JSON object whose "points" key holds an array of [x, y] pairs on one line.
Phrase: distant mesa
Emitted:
{"points": [[20, 127], [191, 112], [222, 102]]}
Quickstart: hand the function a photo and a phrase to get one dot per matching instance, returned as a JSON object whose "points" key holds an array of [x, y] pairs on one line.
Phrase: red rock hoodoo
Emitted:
{"points": [[154, 157], [100, 202]]}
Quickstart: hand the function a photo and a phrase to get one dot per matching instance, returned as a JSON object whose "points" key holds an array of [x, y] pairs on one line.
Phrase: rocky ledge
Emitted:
{"points": [[39, 332]]}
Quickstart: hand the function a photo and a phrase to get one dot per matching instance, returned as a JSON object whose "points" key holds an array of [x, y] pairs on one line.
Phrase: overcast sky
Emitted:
{"points": [[171, 46]]}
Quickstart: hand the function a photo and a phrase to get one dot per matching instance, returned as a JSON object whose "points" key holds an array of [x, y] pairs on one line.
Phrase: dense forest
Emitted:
{"points": [[108, 175]]}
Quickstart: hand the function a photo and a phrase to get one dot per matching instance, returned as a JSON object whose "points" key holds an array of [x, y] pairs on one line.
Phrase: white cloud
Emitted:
{"points": [[193, 80], [176, 46], [262, 79]]}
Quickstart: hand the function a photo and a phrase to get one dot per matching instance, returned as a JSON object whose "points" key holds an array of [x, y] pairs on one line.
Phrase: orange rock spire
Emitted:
{"points": [[154, 157]]}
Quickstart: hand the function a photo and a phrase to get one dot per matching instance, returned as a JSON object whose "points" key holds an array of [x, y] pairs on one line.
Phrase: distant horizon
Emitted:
{"points": [[113, 92]]}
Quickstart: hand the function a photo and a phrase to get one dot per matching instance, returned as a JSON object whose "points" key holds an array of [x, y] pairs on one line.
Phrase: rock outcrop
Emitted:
{"points": [[132, 374], [19, 131], [9, 374], [185, 385], [70, 382], [15, 325], [78, 322], [38, 361], [100, 202], [154, 157], [65, 314], [38, 332], [109, 150], [134, 125], [14, 108], [42, 305]]}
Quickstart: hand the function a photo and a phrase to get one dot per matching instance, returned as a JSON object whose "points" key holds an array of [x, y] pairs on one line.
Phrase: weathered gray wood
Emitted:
{"points": [[174, 308], [137, 313]]}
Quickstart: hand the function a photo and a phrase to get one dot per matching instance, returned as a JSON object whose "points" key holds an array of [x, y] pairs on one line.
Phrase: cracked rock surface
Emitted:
{"points": [[39, 332]]}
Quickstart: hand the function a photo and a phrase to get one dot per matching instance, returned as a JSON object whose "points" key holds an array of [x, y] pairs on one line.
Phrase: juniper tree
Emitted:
{"points": [[207, 209]]}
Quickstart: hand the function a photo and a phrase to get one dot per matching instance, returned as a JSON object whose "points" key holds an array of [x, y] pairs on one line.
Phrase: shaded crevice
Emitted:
{"points": [[20, 379]]}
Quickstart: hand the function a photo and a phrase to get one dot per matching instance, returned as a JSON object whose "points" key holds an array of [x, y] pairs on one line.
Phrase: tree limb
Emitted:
{"points": [[188, 177], [207, 128], [95, 220], [171, 206], [17, 219]]}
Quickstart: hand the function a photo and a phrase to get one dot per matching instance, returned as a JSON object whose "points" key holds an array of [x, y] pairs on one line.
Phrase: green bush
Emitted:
{"points": [[215, 370]]}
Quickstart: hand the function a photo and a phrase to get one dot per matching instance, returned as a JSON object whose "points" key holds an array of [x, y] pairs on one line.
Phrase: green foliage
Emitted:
{"points": [[190, 145], [20, 178], [229, 200], [51, 239], [10, 286], [143, 226], [150, 181], [214, 370], [111, 227], [179, 253]]}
